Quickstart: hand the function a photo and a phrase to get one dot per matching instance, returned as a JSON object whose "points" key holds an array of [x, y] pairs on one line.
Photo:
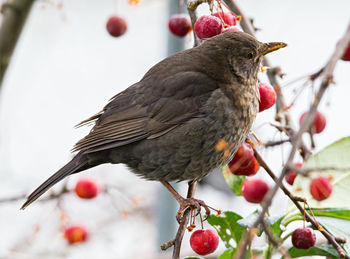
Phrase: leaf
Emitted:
{"points": [[277, 227], [274, 222], [338, 228], [233, 181], [325, 250], [227, 227], [335, 155], [228, 254], [333, 213]]}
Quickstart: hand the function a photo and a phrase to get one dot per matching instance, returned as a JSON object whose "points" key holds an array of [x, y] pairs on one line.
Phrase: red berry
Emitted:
{"points": [[254, 190], [116, 26], [320, 188], [303, 238], [251, 169], [290, 177], [75, 234], [204, 242], [228, 18], [86, 189], [207, 26], [243, 156], [179, 24], [346, 55], [319, 122], [267, 96]]}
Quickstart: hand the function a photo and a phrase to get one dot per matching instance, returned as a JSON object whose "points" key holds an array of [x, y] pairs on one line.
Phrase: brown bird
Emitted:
{"points": [[166, 126]]}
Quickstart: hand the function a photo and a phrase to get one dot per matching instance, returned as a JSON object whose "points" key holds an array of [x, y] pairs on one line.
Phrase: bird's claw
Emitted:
{"points": [[192, 204]]}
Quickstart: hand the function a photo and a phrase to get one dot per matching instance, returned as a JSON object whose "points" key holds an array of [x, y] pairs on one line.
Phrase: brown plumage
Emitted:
{"points": [[166, 126]]}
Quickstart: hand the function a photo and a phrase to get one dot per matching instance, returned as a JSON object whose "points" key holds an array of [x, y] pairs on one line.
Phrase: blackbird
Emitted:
{"points": [[166, 126]]}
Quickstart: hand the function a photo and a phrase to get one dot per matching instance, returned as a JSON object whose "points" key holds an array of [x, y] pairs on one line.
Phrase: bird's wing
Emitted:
{"points": [[147, 109]]}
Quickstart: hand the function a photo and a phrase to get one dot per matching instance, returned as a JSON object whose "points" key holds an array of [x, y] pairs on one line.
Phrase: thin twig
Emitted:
{"points": [[276, 143]]}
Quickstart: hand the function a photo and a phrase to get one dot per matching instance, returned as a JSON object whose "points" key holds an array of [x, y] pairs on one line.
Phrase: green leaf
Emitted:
{"points": [[277, 227], [228, 254], [332, 213], [250, 220], [337, 156], [233, 181], [325, 250], [227, 227], [274, 222], [338, 228]]}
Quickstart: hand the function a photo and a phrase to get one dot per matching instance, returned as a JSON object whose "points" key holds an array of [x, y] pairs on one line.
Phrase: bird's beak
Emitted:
{"points": [[272, 46]]}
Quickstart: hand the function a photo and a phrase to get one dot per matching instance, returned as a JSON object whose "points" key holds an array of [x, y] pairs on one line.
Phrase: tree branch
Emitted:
{"points": [[331, 239], [182, 227], [14, 13], [327, 77], [272, 75]]}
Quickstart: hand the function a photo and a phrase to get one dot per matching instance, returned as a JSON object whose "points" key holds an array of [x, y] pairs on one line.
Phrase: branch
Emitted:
{"points": [[52, 196], [14, 13], [331, 239], [182, 227], [191, 8], [272, 75], [327, 79]]}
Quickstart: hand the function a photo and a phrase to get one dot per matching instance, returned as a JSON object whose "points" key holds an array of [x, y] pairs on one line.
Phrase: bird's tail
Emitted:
{"points": [[77, 164]]}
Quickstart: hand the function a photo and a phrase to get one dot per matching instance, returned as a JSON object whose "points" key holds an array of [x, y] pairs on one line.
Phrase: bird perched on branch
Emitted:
{"points": [[166, 127]]}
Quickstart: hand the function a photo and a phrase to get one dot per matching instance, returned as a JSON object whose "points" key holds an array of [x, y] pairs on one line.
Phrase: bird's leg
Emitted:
{"points": [[187, 203]]}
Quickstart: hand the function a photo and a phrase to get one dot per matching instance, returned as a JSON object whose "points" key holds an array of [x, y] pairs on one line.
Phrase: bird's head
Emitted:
{"points": [[242, 53]]}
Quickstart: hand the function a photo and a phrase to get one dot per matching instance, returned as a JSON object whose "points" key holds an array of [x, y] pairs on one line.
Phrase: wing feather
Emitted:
{"points": [[149, 108]]}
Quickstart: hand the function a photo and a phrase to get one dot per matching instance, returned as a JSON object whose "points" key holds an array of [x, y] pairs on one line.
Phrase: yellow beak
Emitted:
{"points": [[272, 46]]}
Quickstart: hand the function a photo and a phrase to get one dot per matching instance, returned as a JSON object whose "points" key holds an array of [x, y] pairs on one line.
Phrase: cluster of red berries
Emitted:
{"points": [[85, 189], [206, 26], [244, 161], [320, 187]]}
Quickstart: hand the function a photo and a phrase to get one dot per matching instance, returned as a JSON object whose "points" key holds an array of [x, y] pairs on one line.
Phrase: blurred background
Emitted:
{"points": [[66, 67]]}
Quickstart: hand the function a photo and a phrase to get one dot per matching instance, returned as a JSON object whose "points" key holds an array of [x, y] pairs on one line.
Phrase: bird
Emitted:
{"points": [[166, 126]]}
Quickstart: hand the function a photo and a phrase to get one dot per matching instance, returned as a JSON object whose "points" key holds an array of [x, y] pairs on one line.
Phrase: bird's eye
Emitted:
{"points": [[250, 55]]}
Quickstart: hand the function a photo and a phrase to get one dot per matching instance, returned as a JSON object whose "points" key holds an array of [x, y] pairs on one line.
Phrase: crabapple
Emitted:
{"points": [[254, 190], [116, 26], [179, 24], [207, 26], [303, 238], [319, 122], [204, 242], [75, 234], [86, 189], [321, 188], [290, 177], [267, 96]]}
